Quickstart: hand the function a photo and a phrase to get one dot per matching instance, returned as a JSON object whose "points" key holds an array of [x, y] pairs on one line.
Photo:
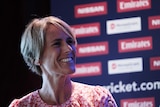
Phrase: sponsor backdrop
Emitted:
{"points": [[119, 46]]}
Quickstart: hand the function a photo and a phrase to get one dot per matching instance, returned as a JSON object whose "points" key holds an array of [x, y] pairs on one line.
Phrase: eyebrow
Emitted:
{"points": [[59, 39], [56, 40], [70, 38]]}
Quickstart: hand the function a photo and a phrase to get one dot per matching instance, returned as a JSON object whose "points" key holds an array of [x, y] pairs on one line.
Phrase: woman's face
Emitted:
{"points": [[59, 52]]}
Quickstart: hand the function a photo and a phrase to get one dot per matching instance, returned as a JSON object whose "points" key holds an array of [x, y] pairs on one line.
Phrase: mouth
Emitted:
{"points": [[66, 59]]}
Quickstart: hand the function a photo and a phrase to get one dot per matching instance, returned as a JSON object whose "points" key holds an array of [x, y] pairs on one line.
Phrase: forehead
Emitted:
{"points": [[53, 31]]}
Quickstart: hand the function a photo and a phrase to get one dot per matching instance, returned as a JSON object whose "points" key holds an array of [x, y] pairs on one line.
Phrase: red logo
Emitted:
{"points": [[138, 102], [92, 9], [154, 22], [135, 44], [91, 49], [155, 63], [88, 69], [132, 5], [84, 30], [114, 66]]}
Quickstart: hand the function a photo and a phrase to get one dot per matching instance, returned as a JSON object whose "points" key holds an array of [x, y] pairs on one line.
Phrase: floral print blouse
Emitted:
{"points": [[83, 95]]}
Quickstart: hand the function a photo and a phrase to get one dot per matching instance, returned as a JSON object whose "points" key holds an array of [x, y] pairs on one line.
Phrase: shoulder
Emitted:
{"points": [[23, 101], [95, 93], [91, 90]]}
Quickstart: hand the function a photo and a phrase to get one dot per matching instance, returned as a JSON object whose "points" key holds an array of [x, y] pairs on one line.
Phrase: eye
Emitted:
{"points": [[57, 43], [70, 41]]}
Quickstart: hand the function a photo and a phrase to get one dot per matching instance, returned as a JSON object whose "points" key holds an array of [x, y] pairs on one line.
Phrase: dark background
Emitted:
{"points": [[15, 80]]}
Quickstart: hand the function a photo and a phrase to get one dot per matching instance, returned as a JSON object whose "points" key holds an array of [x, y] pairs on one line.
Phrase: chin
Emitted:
{"points": [[72, 71], [69, 71]]}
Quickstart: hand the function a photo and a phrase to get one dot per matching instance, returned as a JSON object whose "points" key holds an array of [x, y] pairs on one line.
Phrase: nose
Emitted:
{"points": [[67, 48]]}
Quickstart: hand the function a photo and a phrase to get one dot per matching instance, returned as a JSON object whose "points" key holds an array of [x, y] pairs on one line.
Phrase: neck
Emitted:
{"points": [[56, 91]]}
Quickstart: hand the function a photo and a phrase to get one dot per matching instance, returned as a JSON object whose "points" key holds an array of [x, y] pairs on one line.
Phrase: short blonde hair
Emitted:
{"points": [[33, 38]]}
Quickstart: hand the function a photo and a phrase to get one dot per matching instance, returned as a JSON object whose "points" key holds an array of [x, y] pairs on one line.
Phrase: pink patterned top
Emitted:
{"points": [[83, 96]]}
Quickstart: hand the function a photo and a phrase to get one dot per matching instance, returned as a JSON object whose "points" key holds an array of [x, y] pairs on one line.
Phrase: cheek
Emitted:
{"points": [[49, 58], [50, 54], [74, 49], [50, 63]]}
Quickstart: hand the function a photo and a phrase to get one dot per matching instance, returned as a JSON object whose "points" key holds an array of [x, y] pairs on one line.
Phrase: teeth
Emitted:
{"points": [[66, 60]]}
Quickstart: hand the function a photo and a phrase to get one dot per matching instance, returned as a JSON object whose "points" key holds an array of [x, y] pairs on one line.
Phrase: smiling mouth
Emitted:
{"points": [[66, 60]]}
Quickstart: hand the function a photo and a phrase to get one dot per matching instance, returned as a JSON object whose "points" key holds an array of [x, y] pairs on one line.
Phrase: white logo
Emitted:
{"points": [[123, 25], [127, 65]]}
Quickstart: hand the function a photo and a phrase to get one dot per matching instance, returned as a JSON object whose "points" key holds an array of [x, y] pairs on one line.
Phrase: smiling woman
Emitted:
{"points": [[48, 47]]}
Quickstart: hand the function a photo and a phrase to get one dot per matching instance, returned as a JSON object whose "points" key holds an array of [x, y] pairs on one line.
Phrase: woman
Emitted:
{"points": [[48, 47]]}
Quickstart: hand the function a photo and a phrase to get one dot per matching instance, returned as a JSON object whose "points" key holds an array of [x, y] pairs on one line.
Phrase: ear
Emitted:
{"points": [[37, 62]]}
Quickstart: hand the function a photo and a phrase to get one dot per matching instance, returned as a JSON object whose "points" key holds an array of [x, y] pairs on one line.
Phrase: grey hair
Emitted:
{"points": [[33, 39]]}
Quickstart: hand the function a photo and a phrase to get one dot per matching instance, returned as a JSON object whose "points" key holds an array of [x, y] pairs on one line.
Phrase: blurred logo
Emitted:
{"points": [[88, 29], [155, 63], [91, 9], [132, 5], [88, 69], [154, 22], [135, 44], [92, 49], [123, 25], [138, 102], [128, 65]]}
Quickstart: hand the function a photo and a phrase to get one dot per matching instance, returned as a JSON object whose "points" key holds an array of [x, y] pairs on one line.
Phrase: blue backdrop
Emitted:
{"points": [[135, 80]]}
